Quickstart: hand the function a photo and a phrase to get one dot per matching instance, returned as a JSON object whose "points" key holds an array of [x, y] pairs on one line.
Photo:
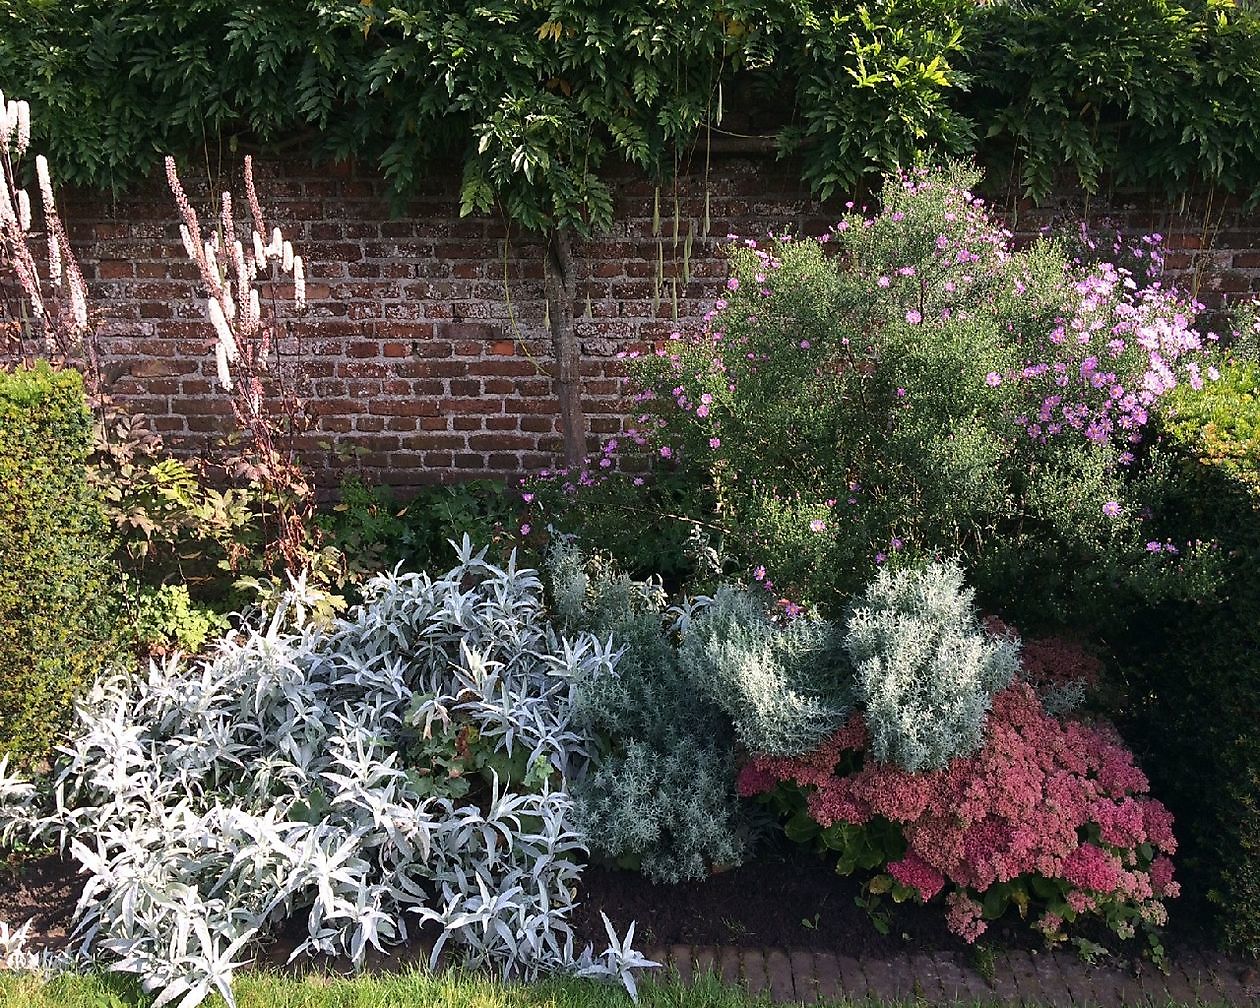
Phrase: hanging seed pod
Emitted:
{"points": [[660, 266], [691, 236], [706, 211], [673, 285], [589, 314], [656, 212], [547, 315], [719, 104], [676, 220]]}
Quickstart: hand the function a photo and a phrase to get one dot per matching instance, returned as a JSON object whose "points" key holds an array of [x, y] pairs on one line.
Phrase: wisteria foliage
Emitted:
{"points": [[208, 802], [925, 668]]}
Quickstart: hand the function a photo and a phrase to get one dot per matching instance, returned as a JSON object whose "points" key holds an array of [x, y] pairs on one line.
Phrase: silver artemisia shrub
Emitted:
{"points": [[696, 682], [408, 767], [926, 668]]}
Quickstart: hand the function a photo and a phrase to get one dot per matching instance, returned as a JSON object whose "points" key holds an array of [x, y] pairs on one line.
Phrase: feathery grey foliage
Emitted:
{"points": [[926, 669], [208, 802], [660, 796], [786, 686]]}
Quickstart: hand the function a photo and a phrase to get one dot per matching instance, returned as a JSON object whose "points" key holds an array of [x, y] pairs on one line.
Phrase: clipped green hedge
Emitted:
{"points": [[55, 600], [1194, 669]]}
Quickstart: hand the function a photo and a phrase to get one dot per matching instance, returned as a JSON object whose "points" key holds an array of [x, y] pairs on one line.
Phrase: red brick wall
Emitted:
{"points": [[423, 361]]}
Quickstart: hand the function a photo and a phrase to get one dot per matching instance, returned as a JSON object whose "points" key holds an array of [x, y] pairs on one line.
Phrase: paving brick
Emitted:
{"points": [[756, 978], [959, 982], [926, 980], [853, 977], [706, 960], [680, 960], [804, 975], [830, 985], [779, 976], [889, 979], [1003, 982], [1054, 977], [1178, 984], [729, 966]]}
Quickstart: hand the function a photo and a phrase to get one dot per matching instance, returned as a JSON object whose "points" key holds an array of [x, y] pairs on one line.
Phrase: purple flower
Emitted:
{"points": [[667, 451], [880, 558], [1154, 547], [527, 497], [993, 379], [817, 525], [883, 281], [759, 573], [1111, 509], [715, 442], [732, 284], [913, 317], [525, 529]]}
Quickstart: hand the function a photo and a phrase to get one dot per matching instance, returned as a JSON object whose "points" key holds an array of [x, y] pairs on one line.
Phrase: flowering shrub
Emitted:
{"points": [[1049, 816], [912, 383]]}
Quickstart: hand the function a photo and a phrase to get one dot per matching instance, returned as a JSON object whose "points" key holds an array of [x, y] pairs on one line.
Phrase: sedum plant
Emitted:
{"points": [[925, 668], [300, 772]]}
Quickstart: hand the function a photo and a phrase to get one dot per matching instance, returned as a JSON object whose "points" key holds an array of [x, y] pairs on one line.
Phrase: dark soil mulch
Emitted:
{"points": [[788, 898], [43, 890]]}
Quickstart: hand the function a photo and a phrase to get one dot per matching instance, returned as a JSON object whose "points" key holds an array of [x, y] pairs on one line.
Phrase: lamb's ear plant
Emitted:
{"points": [[208, 802]]}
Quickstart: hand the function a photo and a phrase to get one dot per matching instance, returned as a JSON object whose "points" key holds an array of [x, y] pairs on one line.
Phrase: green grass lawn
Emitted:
{"points": [[397, 990]]}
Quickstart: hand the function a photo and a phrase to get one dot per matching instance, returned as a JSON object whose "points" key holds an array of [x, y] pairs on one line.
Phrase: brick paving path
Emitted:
{"points": [[1049, 979]]}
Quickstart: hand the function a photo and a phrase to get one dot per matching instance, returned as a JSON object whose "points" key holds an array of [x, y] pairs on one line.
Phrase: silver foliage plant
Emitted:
{"points": [[209, 802], [785, 685], [925, 667]]}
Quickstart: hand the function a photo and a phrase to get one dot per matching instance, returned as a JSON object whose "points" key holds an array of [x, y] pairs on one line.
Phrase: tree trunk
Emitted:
{"points": [[561, 287]]}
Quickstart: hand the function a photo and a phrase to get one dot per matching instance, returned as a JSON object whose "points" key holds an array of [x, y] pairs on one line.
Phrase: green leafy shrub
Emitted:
{"points": [[56, 600], [1220, 423], [156, 621], [374, 531], [926, 669], [912, 384], [1144, 90], [1193, 669]]}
